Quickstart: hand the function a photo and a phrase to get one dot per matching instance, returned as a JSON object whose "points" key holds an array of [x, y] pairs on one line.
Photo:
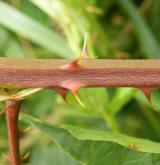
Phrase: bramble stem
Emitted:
{"points": [[12, 113], [49, 73]]}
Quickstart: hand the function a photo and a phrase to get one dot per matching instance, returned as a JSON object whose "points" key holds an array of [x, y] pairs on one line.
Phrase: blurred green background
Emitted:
{"points": [[117, 29]]}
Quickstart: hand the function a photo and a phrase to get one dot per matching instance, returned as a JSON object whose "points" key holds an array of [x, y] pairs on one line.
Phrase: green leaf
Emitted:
{"points": [[33, 30], [4, 38], [14, 49], [146, 39], [9, 46], [99, 147], [95, 101], [45, 154], [154, 18], [42, 103]]}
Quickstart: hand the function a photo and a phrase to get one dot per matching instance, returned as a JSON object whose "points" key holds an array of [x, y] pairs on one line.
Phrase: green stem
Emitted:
{"points": [[110, 121]]}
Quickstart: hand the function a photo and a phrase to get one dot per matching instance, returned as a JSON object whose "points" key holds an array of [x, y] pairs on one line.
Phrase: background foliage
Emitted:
{"points": [[117, 29]]}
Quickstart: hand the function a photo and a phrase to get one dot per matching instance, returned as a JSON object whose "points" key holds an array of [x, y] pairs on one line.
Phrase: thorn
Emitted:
{"points": [[147, 92], [4, 156], [73, 88], [79, 100], [71, 85], [73, 65], [27, 129], [84, 53], [25, 157], [62, 92], [22, 132], [3, 111]]}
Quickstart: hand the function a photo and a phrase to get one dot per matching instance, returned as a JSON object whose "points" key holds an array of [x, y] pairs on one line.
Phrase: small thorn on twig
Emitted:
{"points": [[6, 157], [62, 92], [73, 87], [73, 65], [5, 109], [3, 112], [25, 157], [22, 132], [84, 53], [79, 100], [147, 92]]}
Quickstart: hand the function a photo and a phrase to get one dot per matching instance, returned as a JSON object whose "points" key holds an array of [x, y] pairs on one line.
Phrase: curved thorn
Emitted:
{"points": [[73, 87], [62, 92], [25, 157], [4, 155], [22, 132], [147, 92], [79, 100], [2, 112], [26, 129]]}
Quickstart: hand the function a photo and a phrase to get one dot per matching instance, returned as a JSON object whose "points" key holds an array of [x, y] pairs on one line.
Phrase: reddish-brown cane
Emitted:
{"points": [[12, 113]]}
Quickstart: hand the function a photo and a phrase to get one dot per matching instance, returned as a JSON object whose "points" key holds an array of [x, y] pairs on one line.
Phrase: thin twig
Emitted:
{"points": [[12, 113]]}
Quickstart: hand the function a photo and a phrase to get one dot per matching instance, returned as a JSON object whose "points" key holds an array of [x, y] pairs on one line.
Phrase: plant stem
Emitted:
{"points": [[35, 73], [110, 122], [12, 113]]}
